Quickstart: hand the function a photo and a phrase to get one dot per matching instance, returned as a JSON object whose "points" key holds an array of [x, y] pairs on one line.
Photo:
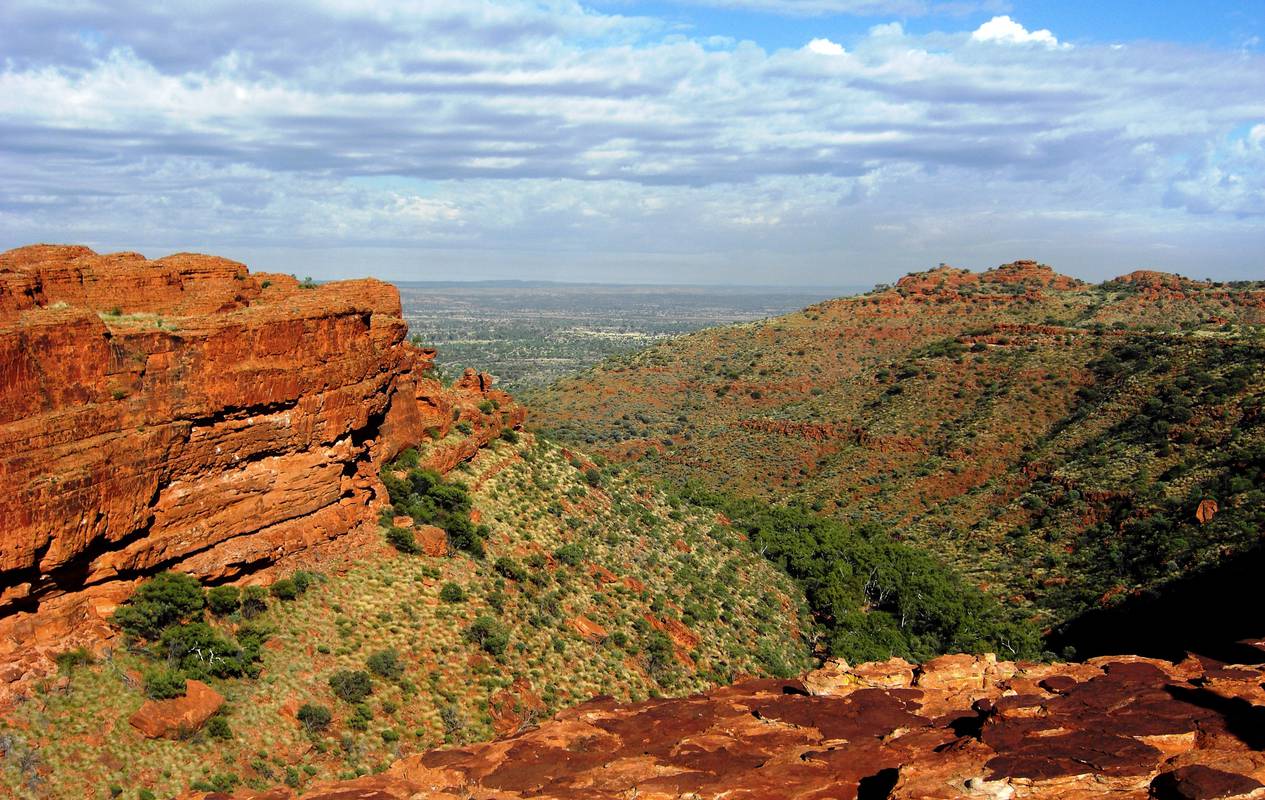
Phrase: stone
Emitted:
{"points": [[185, 413], [179, 717]]}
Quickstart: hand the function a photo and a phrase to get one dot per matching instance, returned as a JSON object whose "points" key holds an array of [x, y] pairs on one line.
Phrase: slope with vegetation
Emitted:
{"points": [[1051, 440], [574, 582]]}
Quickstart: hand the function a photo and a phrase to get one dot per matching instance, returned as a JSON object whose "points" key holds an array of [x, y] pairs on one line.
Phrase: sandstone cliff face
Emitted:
{"points": [[955, 727], [184, 413]]}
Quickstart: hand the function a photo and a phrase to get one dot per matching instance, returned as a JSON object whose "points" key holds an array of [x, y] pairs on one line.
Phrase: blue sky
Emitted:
{"points": [[1216, 23], [810, 142]]}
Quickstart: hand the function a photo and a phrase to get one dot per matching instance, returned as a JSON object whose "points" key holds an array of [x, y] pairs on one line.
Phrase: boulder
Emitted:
{"points": [[178, 717]]}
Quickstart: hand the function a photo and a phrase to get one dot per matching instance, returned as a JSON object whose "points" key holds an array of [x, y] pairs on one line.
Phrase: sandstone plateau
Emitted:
{"points": [[185, 413], [954, 727]]}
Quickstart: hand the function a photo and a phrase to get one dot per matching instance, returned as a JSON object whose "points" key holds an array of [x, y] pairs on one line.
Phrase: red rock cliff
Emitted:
{"points": [[185, 413]]}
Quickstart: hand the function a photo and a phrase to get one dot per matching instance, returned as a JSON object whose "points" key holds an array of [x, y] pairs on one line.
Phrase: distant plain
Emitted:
{"points": [[529, 334]]}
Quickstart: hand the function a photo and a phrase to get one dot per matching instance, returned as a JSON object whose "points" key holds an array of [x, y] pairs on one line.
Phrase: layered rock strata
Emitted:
{"points": [[185, 413]]}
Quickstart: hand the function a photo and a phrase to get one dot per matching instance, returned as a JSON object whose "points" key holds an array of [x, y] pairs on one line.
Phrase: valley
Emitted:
{"points": [[259, 546], [527, 335]]}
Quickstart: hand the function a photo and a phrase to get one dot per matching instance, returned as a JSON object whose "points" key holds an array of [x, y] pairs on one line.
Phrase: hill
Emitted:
{"points": [[582, 590], [1061, 444]]}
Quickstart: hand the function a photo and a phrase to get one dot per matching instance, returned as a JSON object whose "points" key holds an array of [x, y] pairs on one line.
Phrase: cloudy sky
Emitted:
{"points": [[826, 142]]}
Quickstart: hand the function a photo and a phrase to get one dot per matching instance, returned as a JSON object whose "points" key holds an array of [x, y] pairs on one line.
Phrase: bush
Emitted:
{"points": [[201, 651], [489, 634], [510, 435], [592, 477], [351, 686], [224, 600], [164, 599], [511, 569], [69, 660], [254, 601], [164, 684], [284, 589], [402, 539], [570, 554], [452, 593], [386, 664], [218, 728], [314, 717], [302, 580]]}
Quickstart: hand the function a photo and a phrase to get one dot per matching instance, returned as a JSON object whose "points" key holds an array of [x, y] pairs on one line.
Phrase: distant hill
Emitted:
{"points": [[1065, 445]]}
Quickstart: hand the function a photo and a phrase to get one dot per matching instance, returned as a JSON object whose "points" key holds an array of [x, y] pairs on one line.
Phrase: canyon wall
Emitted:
{"points": [[184, 413]]}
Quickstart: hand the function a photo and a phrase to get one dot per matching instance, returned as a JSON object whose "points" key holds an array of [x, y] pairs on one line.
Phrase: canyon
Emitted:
{"points": [[616, 640]]}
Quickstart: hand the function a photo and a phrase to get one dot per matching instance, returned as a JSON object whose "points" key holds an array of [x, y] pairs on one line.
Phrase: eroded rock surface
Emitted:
{"points": [[956, 727], [187, 414]]}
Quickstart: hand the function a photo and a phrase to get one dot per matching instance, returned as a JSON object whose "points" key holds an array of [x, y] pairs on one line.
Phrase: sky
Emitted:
{"points": [[792, 142]]}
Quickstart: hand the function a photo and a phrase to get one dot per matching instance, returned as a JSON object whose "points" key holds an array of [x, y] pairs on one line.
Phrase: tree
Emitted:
{"points": [[386, 664], [489, 634], [314, 717], [351, 686]]}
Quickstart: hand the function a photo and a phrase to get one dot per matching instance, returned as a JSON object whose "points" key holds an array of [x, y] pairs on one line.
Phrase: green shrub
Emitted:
{"points": [[489, 634], [351, 686], [224, 600], [592, 477], [511, 569], [201, 651], [71, 659], [570, 554], [284, 589], [145, 794], [254, 601], [510, 435], [452, 593], [402, 539], [314, 717], [218, 728], [386, 664], [163, 684], [166, 598]]}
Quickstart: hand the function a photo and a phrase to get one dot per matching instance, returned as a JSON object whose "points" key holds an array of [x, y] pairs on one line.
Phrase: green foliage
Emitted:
{"points": [[424, 495], [69, 660], [351, 686], [202, 651], [217, 727], [452, 593], [875, 597], [490, 634], [402, 539], [592, 477], [166, 598], [254, 601], [570, 554], [163, 684], [314, 717], [510, 569], [284, 589], [223, 600], [386, 664]]}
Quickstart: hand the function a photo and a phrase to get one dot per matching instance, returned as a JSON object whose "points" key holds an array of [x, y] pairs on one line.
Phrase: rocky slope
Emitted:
{"points": [[1050, 439], [955, 727], [185, 413]]}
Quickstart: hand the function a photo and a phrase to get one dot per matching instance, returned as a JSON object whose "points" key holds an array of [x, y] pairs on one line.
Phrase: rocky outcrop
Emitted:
{"points": [[956, 727], [179, 717], [187, 414]]}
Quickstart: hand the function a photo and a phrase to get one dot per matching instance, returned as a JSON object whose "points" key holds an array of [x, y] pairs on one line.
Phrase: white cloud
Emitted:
{"points": [[1005, 30], [825, 47], [493, 133]]}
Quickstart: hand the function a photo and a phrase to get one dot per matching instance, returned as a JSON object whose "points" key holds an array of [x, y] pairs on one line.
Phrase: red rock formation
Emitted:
{"points": [[178, 717], [959, 727], [184, 413]]}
